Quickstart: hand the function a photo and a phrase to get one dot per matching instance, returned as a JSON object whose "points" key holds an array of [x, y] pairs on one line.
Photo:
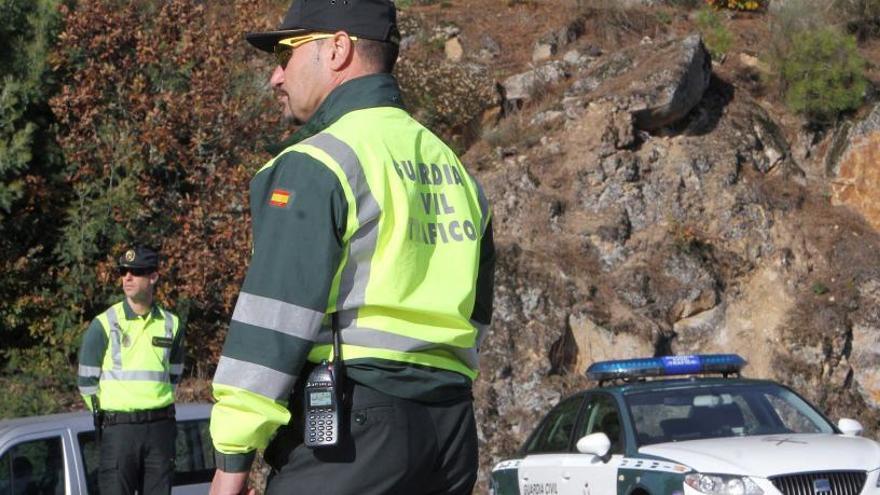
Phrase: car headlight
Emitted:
{"points": [[722, 484]]}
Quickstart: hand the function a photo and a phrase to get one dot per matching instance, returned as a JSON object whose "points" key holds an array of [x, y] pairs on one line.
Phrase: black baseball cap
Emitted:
{"points": [[139, 257], [368, 19]]}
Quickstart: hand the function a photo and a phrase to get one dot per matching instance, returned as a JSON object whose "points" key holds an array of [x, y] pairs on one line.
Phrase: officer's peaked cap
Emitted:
{"points": [[139, 257], [367, 19]]}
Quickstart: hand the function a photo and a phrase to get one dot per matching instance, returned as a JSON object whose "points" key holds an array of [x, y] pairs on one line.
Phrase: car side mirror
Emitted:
{"points": [[596, 444], [850, 427]]}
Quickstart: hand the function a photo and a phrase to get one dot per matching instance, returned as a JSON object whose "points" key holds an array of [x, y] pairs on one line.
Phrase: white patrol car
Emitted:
{"points": [[721, 435]]}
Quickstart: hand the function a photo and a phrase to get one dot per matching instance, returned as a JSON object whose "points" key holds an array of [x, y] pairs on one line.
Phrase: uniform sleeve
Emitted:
{"points": [[298, 212], [91, 355], [481, 316], [178, 353]]}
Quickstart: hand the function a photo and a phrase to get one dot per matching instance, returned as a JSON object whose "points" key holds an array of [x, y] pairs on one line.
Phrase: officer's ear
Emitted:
{"points": [[154, 277], [342, 50]]}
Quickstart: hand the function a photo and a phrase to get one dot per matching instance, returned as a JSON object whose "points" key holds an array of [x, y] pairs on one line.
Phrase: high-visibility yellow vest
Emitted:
{"points": [[394, 302], [136, 371]]}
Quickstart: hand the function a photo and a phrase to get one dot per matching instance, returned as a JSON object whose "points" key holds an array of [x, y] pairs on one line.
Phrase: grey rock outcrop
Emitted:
{"points": [[659, 84], [524, 86], [551, 43], [846, 135], [489, 48], [865, 358]]}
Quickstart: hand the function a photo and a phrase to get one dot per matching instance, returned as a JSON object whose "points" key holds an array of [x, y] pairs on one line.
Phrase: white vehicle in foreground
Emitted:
{"points": [[56, 454], [701, 435]]}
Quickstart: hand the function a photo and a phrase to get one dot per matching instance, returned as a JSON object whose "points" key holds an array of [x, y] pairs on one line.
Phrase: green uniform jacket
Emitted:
{"points": [[367, 214], [131, 362]]}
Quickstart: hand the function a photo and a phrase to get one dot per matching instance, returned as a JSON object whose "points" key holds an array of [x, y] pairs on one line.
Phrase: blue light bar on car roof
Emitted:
{"points": [[666, 366]]}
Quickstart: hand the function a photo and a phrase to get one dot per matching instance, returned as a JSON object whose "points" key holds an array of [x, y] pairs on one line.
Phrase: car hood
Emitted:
{"points": [[770, 455]]}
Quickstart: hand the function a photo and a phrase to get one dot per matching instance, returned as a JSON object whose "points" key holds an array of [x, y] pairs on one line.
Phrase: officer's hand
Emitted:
{"points": [[230, 484]]}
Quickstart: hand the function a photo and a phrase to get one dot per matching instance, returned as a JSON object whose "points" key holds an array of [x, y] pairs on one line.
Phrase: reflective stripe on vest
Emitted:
{"points": [[355, 274], [144, 376], [169, 334], [115, 338], [368, 337]]}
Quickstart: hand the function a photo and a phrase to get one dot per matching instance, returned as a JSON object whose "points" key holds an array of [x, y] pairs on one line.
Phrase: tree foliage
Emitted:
{"points": [[26, 28], [32, 191], [163, 111]]}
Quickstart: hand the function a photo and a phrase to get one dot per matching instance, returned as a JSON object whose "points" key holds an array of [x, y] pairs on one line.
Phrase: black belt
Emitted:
{"points": [[147, 416]]}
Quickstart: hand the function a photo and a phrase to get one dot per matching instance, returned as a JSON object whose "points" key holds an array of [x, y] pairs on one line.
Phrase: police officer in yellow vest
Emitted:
{"points": [[129, 362], [367, 219]]}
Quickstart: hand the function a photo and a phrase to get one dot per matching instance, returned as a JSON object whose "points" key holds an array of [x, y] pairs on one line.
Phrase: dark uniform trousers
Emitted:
{"points": [[389, 446], [138, 457]]}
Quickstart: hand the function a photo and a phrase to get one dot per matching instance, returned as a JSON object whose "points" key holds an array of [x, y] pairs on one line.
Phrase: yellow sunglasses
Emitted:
{"points": [[284, 48]]}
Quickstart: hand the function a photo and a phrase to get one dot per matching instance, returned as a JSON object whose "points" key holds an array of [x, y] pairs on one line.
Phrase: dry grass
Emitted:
{"points": [[193, 389], [514, 26]]}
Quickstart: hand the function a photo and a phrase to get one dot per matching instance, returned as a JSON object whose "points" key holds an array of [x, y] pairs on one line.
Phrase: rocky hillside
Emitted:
{"points": [[650, 201]]}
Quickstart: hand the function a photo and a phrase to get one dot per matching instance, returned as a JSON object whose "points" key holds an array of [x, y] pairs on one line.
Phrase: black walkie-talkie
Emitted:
{"points": [[323, 398]]}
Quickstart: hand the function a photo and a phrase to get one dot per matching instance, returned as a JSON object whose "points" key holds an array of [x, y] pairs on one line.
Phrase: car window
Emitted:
{"points": [[718, 411], [692, 415], [194, 458], [33, 467], [90, 457], [554, 434], [603, 416], [790, 416], [195, 453]]}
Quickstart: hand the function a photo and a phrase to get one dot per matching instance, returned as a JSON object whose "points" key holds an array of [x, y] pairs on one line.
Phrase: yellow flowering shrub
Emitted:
{"points": [[737, 4]]}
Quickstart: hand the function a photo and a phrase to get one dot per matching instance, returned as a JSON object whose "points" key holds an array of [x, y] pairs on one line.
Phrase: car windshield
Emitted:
{"points": [[672, 415]]}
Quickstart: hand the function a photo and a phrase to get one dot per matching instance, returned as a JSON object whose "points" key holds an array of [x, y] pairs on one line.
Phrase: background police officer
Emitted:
{"points": [[365, 215], [130, 359]]}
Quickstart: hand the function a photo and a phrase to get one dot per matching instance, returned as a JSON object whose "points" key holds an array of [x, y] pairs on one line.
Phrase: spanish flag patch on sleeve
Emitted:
{"points": [[279, 198]]}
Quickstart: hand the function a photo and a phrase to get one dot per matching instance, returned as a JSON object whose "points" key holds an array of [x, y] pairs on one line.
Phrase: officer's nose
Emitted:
{"points": [[277, 77]]}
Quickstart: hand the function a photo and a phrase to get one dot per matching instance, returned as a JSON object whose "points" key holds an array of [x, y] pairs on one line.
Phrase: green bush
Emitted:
{"points": [[787, 21], [715, 34], [31, 395], [823, 75]]}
